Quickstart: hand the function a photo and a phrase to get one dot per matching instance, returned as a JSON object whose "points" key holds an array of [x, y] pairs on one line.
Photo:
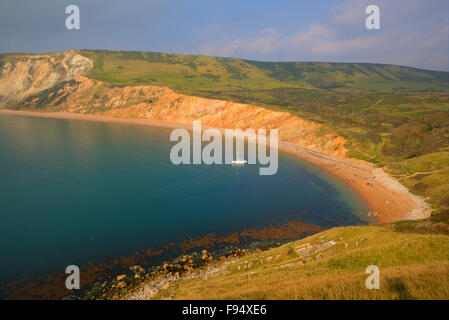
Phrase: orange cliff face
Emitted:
{"points": [[89, 96]]}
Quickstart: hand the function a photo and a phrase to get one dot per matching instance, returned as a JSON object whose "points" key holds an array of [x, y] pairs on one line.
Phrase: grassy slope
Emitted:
{"points": [[193, 74], [389, 114], [413, 258]]}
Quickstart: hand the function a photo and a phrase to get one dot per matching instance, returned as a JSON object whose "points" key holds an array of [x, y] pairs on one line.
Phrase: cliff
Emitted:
{"points": [[24, 75], [87, 96]]}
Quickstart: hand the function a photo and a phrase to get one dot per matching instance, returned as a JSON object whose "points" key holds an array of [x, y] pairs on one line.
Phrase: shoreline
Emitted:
{"points": [[389, 199]]}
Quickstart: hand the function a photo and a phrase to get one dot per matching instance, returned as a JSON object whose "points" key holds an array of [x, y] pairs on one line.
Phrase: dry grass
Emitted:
{"points": [[430, 281], [412, 266]]}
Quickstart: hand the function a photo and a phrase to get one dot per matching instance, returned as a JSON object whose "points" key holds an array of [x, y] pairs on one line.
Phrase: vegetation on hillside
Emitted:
{"points": [[195, 73]]}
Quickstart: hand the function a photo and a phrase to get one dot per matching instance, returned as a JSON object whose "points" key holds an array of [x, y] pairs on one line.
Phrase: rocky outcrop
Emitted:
{"points": [[24, 75], [84, 95]]}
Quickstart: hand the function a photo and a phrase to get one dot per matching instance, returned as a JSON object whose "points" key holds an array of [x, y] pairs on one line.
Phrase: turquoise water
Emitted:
{"points": [[76, 191]]}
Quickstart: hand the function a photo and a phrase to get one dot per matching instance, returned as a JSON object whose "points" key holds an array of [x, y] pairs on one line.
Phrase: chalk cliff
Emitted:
{"points": [[26, 74]]}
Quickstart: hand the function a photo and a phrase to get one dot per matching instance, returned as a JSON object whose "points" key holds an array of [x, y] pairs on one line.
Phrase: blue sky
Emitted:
{"points": [[413, 32]]}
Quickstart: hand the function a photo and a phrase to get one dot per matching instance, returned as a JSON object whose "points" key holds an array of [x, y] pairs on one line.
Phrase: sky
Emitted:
{"points": [[412, 32]]}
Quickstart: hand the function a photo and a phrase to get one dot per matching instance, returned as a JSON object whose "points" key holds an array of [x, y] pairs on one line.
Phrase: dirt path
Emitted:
{"points": [[418, 173]]}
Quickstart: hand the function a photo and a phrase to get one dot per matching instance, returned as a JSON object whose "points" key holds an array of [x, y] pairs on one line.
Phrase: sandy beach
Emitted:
{"points": [[389, 200]]}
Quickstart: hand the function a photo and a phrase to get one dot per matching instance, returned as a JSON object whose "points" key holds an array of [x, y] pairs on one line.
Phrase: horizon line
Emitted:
{"points": [[230, 57]]}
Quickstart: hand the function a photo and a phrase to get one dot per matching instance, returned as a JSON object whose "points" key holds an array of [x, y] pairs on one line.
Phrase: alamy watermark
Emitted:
{"points": [[212, 153], [373, 280], [73, 280], [72, 22], [372, 21]]}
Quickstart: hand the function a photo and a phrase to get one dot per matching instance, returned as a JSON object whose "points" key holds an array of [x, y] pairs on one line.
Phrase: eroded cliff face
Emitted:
{"points": [[24, 75], [83, 95]]}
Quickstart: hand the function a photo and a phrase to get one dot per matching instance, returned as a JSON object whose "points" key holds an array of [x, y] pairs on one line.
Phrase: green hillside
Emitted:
{"points": [[210, 75]]}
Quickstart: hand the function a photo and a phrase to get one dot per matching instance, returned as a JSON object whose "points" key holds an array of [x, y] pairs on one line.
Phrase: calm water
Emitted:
{"points": [[75, 191]]}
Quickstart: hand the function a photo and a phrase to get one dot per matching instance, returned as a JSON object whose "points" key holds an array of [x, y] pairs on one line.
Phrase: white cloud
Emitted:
{"points": [[414, 32]]}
